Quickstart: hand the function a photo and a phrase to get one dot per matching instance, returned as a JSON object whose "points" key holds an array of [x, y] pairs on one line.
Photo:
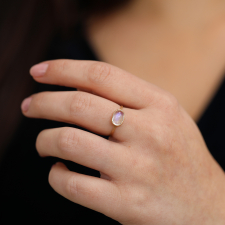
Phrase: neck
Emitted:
{"points": [[185, 12]]}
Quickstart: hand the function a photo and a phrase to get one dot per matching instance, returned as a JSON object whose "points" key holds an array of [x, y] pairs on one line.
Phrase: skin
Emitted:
{"points": [[176, 45], [155, 169]]}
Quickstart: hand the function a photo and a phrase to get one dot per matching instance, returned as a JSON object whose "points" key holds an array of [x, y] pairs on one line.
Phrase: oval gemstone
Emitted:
{"points": [[118, 117]]}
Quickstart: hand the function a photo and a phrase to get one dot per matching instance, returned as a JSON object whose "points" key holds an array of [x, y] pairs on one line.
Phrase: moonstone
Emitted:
{"points": [[118, 117]]}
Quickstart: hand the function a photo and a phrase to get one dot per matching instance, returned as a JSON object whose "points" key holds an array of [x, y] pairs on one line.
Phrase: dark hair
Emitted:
{"points": [[26, 28]]}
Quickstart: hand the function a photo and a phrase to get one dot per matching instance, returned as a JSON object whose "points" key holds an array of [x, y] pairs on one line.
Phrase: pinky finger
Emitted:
{"points": [[95, 193]]}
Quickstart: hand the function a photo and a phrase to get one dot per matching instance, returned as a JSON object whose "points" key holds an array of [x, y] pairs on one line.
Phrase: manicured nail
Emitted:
{"points": [[25, 104], [39, 69]]}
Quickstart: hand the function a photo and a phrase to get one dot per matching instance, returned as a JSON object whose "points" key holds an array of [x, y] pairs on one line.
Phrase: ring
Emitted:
{"points": [[117, 119]]}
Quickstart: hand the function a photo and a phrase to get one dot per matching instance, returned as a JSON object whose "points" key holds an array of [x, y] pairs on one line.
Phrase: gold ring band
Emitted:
{"points": [[117, 119]]}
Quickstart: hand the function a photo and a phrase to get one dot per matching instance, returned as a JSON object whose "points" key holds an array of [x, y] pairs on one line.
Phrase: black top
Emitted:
{"points": [[25, 193]]}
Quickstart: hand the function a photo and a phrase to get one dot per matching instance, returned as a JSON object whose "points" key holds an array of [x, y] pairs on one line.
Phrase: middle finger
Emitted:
{"points": [[83, 109]]}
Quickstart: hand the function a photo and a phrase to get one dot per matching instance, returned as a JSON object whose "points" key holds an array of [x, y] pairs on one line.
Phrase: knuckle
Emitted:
{"points": [[72, 187], [80, 103], [38, 101], [67, 140], [99, 72], [63, 66], [170, 102]]}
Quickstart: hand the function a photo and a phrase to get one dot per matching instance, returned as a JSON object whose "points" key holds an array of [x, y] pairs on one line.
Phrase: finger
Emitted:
{"points": [[85, 90], [83, 148], [83, 109], [94, 193], [101, 78]]}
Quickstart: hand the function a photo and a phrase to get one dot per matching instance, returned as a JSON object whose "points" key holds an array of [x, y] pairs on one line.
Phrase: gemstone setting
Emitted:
{"points": [[118, 117]]}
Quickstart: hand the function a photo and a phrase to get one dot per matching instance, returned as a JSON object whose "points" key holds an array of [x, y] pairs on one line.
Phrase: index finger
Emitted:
{"points": [[100, 78]]}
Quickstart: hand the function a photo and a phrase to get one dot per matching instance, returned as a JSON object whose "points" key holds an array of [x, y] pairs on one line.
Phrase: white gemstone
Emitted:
{"points": [[118, 117]]}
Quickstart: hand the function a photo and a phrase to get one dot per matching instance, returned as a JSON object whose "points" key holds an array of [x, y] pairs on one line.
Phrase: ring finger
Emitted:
{"points": [[83, 109]]}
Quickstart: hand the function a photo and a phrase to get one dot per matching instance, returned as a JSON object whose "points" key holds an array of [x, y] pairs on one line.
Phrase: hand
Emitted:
{"points": [[156, 169]]}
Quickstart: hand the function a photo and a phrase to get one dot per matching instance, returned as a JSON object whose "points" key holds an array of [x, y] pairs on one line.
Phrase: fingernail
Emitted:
{"points": [[39, 69], [25, 104]]}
